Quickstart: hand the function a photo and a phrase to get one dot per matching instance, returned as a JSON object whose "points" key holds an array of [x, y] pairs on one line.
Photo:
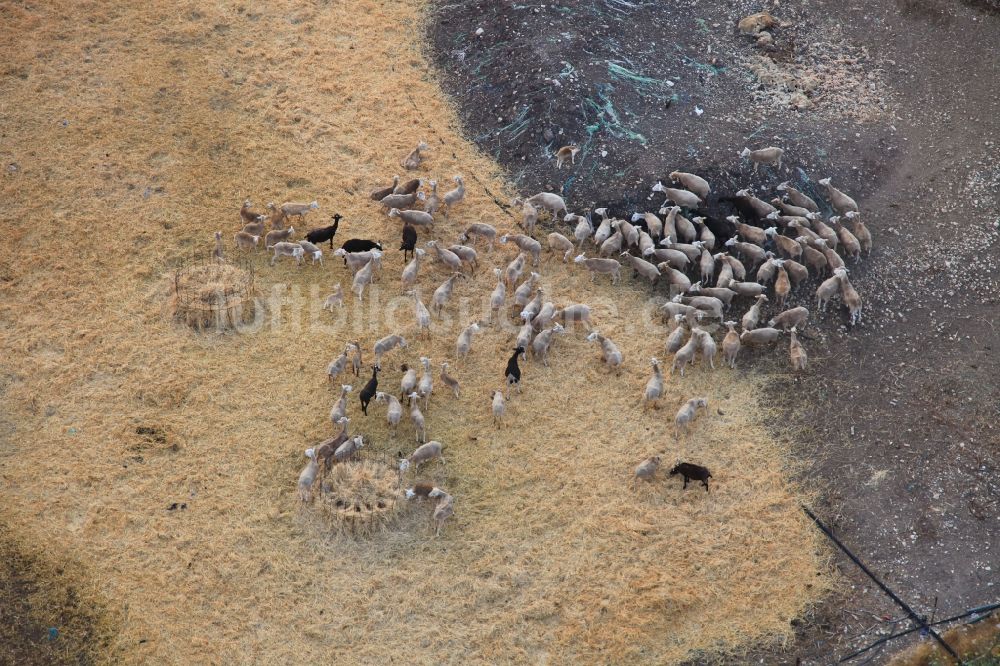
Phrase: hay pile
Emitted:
{"points": [[360, 496], [216, 296]]}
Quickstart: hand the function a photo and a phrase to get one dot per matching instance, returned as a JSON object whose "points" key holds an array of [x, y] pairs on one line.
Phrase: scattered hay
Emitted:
{"points": [[975, 643], [360, 497], [214, 296]]}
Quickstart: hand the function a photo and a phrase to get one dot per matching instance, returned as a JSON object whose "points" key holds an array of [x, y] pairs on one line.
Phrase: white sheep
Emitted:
{"points": [[339, 409], [480, 230], [444, 509], [499, 407], [421, 314], [364, 277], [441, 295], [387, 344], [426, 385], [696, 184], [708, 348], [417, 417], [394, 410], [464, 343], [498, 296], [796, 352], [449, 381], [687, 413], [685, 354], [283, 249], [445, 256], [308, 476], [731, 345], [550, 202], [559, 243], [654, 387], [682, 198], [246, 241], [609, 351], [409, 275], [334, 299], [542, 343], [514, 269], [767, 156], [598, 265], [526, 244], [839, 201], [423, 453]]}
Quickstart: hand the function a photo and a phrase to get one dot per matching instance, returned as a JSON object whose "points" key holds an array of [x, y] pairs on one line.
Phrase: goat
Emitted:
{"points": [[676, 338], [566, 152], [382, 192], [797, 198], [324, 234], [364, 276], [514, 269], [246, 241], [408, 382], [513, 373], [337, 366], [860, 231], [464, 343], [827, 290], [354, 245], [796, 352], [431, 201], [685, 354], [283, 249], [248, 216], [570, 314], [387, 344], [308, 474], [441, 295], [529, 218], [654, 387], [467, 254], [642, 267], [423, 453], [426, 385], [445, 256], [692, 472], [369, 391], [314, 252], [759, 336], [708, 347], [409, 243], [498, 296], [276, 236], [498, 407], [449, 381]]}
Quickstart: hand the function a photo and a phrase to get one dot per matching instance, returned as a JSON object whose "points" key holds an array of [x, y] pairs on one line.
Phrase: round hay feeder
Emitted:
{"points": [[360, 497], [211, 295]]}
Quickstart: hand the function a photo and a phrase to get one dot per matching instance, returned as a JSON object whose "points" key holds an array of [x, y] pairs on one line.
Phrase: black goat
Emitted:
{"points": [[513, 373], [360, 245], [692, 472], [409, 240], [368, 392], [325, 234]]}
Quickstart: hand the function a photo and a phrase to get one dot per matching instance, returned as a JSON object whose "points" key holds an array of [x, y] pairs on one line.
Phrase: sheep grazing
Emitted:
{"points": [[467, 254], [325, 234], [687, 413], [409, 242], [444, 510], [654, 387], [682, 198], [797, 198], [848, 241], [299, 210], [542, 343], [850, 297], [676, 338], [566, 153], [308, 474], [609, 351], [696, 184], [692, 472], [498, 296], [445, 256], [796, 352], [246, 241], [759, 337], [498, 407], [277, 236], [364, 276], [347, 450], [731, 345], [420, 490], [513, 373], [382, 192], [642, 267], [790, 319], [412, 161], [421, 314], [337, 366], [417, 218], [603, 266], [449, 381], [424, 453], [827, 290], [480, 230], [417, 417], [314, 252], [840, 202], [646, 470], [571, 314], [550, 202], [708, 348], [328, 447], [283, 249], [409, 274], [767, 156], [529, 217], [339, 409], [782, 285], [394, 410], [514, 269], [453, 197], [278, 216], [441, 295], [399, 201], [334, 299], [464, 343], [860, 231], [559, 243], [526, 244], [387, 344]]}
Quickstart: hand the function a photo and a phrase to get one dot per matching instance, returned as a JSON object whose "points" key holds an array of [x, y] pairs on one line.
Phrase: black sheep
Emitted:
{"points": [[409, 240], [325, 234], [368, 392], [360, 245], [513, 373], [691, 471]]}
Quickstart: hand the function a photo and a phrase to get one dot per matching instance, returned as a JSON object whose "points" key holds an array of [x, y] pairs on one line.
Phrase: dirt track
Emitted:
{"points": [[898, 415]]}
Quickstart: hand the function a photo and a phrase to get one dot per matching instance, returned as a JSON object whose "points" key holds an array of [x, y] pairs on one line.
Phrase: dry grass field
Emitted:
{"points": [[131, 133]]}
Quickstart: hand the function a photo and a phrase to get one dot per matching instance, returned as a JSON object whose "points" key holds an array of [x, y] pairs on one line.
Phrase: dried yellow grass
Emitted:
{"points": [[977, 644], [174, 114]]}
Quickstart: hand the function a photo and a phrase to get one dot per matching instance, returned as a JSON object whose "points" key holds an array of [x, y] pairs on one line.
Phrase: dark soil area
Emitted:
{"points": [[897, 418]]}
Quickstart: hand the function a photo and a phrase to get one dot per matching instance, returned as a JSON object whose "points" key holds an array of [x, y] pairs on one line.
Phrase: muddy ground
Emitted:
{"points": [[896, 419]]}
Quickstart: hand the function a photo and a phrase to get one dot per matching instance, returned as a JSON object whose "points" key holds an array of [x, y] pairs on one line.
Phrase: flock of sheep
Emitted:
{"points": [[705, 262]]}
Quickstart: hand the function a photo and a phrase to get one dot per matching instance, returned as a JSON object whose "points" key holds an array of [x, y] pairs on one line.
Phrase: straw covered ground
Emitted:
{"points": [[132, 132]]}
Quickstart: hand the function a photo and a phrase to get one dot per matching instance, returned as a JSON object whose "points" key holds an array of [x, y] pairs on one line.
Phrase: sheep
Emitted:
{"points": [[408, 382], [449, 381], [724, 294], [339, 409], [731, 345], [417, 218], [453, 197], [394, 410], [797, 198], [426, 385], [413, 159], [559, 243], [431, 201], [796, 271], [417, 417], [314, 252], [630, 234], [782, 286], [325, 234], [409, 274], [525, 244], [675, 307], [840, 202], [409, 187], [355, 261], [813, 258], [278, 216], [725, 271], [542, 343], [346, 450], [613, 243], [759, 336], [686, 231], [255, 228], [445, 256], [441, 295], [245, 240], [283, 249], [498, 296], [399, 201], [827, 233], [369, 390], [692, 472], [543, 316], [758, 208], [850, 297], [444, 510], [248, 216], [646, 244], [421, 489], [696, 184], [826, 290], [708, 348], [739, 270], [480, 230], [328, 447], [387, 344], [464, 343], [337, 366], [529, 217], [584, 229], [421, 314], [705, 234], [752, 252], [409, 240], [791, 210], [676, 338], [682, 198], [767, 156], [609, 351], [751, 289], [750, 319], [532, 308], [796, 352], [603, 231], [566, 152], [514, 269], [335, 298], [833, 260], [687, 413], [525, 335], [642, 267], [675, 258], [680, 282], [423, 454], [550, 202], [364, 276], [654, 387], [467, 255], [382, 192], [848, 241], [498, 407], [860, 231], [512, 373], [276, 236], [298, 209], [605, 266], [570, 314], [748, 233], [646, 470], [308, 475], [709, 304]]}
